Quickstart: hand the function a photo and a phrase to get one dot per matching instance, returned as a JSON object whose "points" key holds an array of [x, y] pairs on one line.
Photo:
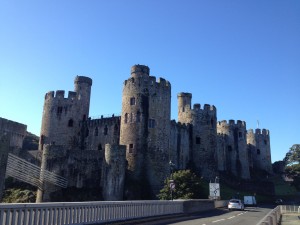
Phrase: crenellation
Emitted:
{"points": [[60, 94], [49, 95], [72, 95], [140, 71]]}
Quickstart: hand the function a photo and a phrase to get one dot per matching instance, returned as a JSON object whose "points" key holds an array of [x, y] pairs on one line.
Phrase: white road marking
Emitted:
{"points": [[217, 220], [230, 218], [240, 214]]}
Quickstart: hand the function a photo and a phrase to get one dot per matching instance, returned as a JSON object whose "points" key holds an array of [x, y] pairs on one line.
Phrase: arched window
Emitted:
{"points": [[70, 123], [96, 131], [99, 147]]}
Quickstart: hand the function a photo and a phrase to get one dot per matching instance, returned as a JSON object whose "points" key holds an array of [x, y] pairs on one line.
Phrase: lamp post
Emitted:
{"points": [[171, 181]]}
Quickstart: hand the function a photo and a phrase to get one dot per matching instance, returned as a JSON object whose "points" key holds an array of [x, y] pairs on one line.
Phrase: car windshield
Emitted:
{"points": [[234, 201]]}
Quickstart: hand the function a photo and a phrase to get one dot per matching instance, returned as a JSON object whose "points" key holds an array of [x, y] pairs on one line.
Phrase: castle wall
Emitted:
{"points": [[179, 145], [81, 168], [16, 131], [61, 116], [102, 131], [232, 148], [204, 134]]}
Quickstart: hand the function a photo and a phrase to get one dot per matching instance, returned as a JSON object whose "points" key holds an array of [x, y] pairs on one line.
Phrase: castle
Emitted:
{"points": [[127, 156]]}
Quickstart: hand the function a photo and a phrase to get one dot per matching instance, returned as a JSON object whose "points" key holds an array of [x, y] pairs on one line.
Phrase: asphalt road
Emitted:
{"points": [[250, 216]]}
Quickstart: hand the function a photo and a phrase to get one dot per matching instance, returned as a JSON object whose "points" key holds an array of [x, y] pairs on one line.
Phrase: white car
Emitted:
{"points": [[235, 204]]}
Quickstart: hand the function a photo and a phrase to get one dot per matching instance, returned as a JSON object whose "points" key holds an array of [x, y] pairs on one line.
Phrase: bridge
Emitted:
{"points": [[96, 212]]}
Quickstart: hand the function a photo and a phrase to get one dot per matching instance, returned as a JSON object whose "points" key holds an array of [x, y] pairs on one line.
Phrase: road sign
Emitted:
{"points": [[172, 184]]}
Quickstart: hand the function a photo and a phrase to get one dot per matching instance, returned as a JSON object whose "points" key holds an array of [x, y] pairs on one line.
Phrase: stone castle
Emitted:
{"points": [[127, 156]]}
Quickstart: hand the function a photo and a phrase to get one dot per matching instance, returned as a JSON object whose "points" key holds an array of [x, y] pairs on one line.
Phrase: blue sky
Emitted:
{"points": [[241, 56]]}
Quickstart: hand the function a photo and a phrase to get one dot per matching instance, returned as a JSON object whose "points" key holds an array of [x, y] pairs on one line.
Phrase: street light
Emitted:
{"points": [[171, 181]]}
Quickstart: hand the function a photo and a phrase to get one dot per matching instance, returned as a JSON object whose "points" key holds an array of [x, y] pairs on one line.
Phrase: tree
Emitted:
{"points": [[187, 186], [293, 155], [292, 169]]}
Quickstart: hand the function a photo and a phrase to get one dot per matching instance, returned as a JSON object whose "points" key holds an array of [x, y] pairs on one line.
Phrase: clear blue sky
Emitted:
{"points": [[241, 56]]}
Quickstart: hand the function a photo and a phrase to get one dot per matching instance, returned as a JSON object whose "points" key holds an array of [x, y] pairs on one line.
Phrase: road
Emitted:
{"points": [[250, 216]]}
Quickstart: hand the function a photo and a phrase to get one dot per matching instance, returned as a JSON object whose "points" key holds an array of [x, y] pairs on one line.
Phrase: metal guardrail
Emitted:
{"points": [[274, 216], [84, 212], [32, 174]]}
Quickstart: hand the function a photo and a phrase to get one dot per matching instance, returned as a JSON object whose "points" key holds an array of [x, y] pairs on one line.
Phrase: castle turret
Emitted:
{"points": [[184, 107], [113, 172], [61, 116], [232, 148], [260, 149], [203, 137], [145, 126]]}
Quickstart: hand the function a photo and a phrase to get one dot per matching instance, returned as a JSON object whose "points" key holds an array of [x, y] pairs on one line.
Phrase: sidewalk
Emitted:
{"points": [[290, 219]]}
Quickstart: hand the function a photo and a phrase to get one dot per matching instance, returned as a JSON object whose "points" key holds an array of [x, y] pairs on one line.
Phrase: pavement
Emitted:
{"points": [[290, 219]]}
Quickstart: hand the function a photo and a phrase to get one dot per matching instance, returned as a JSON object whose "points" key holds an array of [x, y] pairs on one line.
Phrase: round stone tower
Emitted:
{"points": [[61, 116], [260, 150], [145, 126], [234, 149], [184, 107]]}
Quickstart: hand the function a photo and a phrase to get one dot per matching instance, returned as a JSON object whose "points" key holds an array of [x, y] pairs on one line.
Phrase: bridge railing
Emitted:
{"points": [[84, 212], [274, 216]]}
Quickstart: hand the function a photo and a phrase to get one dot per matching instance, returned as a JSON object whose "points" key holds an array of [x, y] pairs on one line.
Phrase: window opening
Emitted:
{"points": [[126, 118], [198, 140], [59, 110], [96, 131], [116, 129], [130, 148], [131, 117], [138, 117], [132, 101], [105, 130], [151, 123], [258, 151], [70, 123], [229, 148]]}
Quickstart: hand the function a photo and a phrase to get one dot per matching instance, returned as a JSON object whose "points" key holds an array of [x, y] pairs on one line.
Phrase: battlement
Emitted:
{"points": [[12, 126], [83, 79], [263, 131], [258, 131], [60, 94], [238, 123], [140, 70], [148, 80], [103, 121], [184, 94]]}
